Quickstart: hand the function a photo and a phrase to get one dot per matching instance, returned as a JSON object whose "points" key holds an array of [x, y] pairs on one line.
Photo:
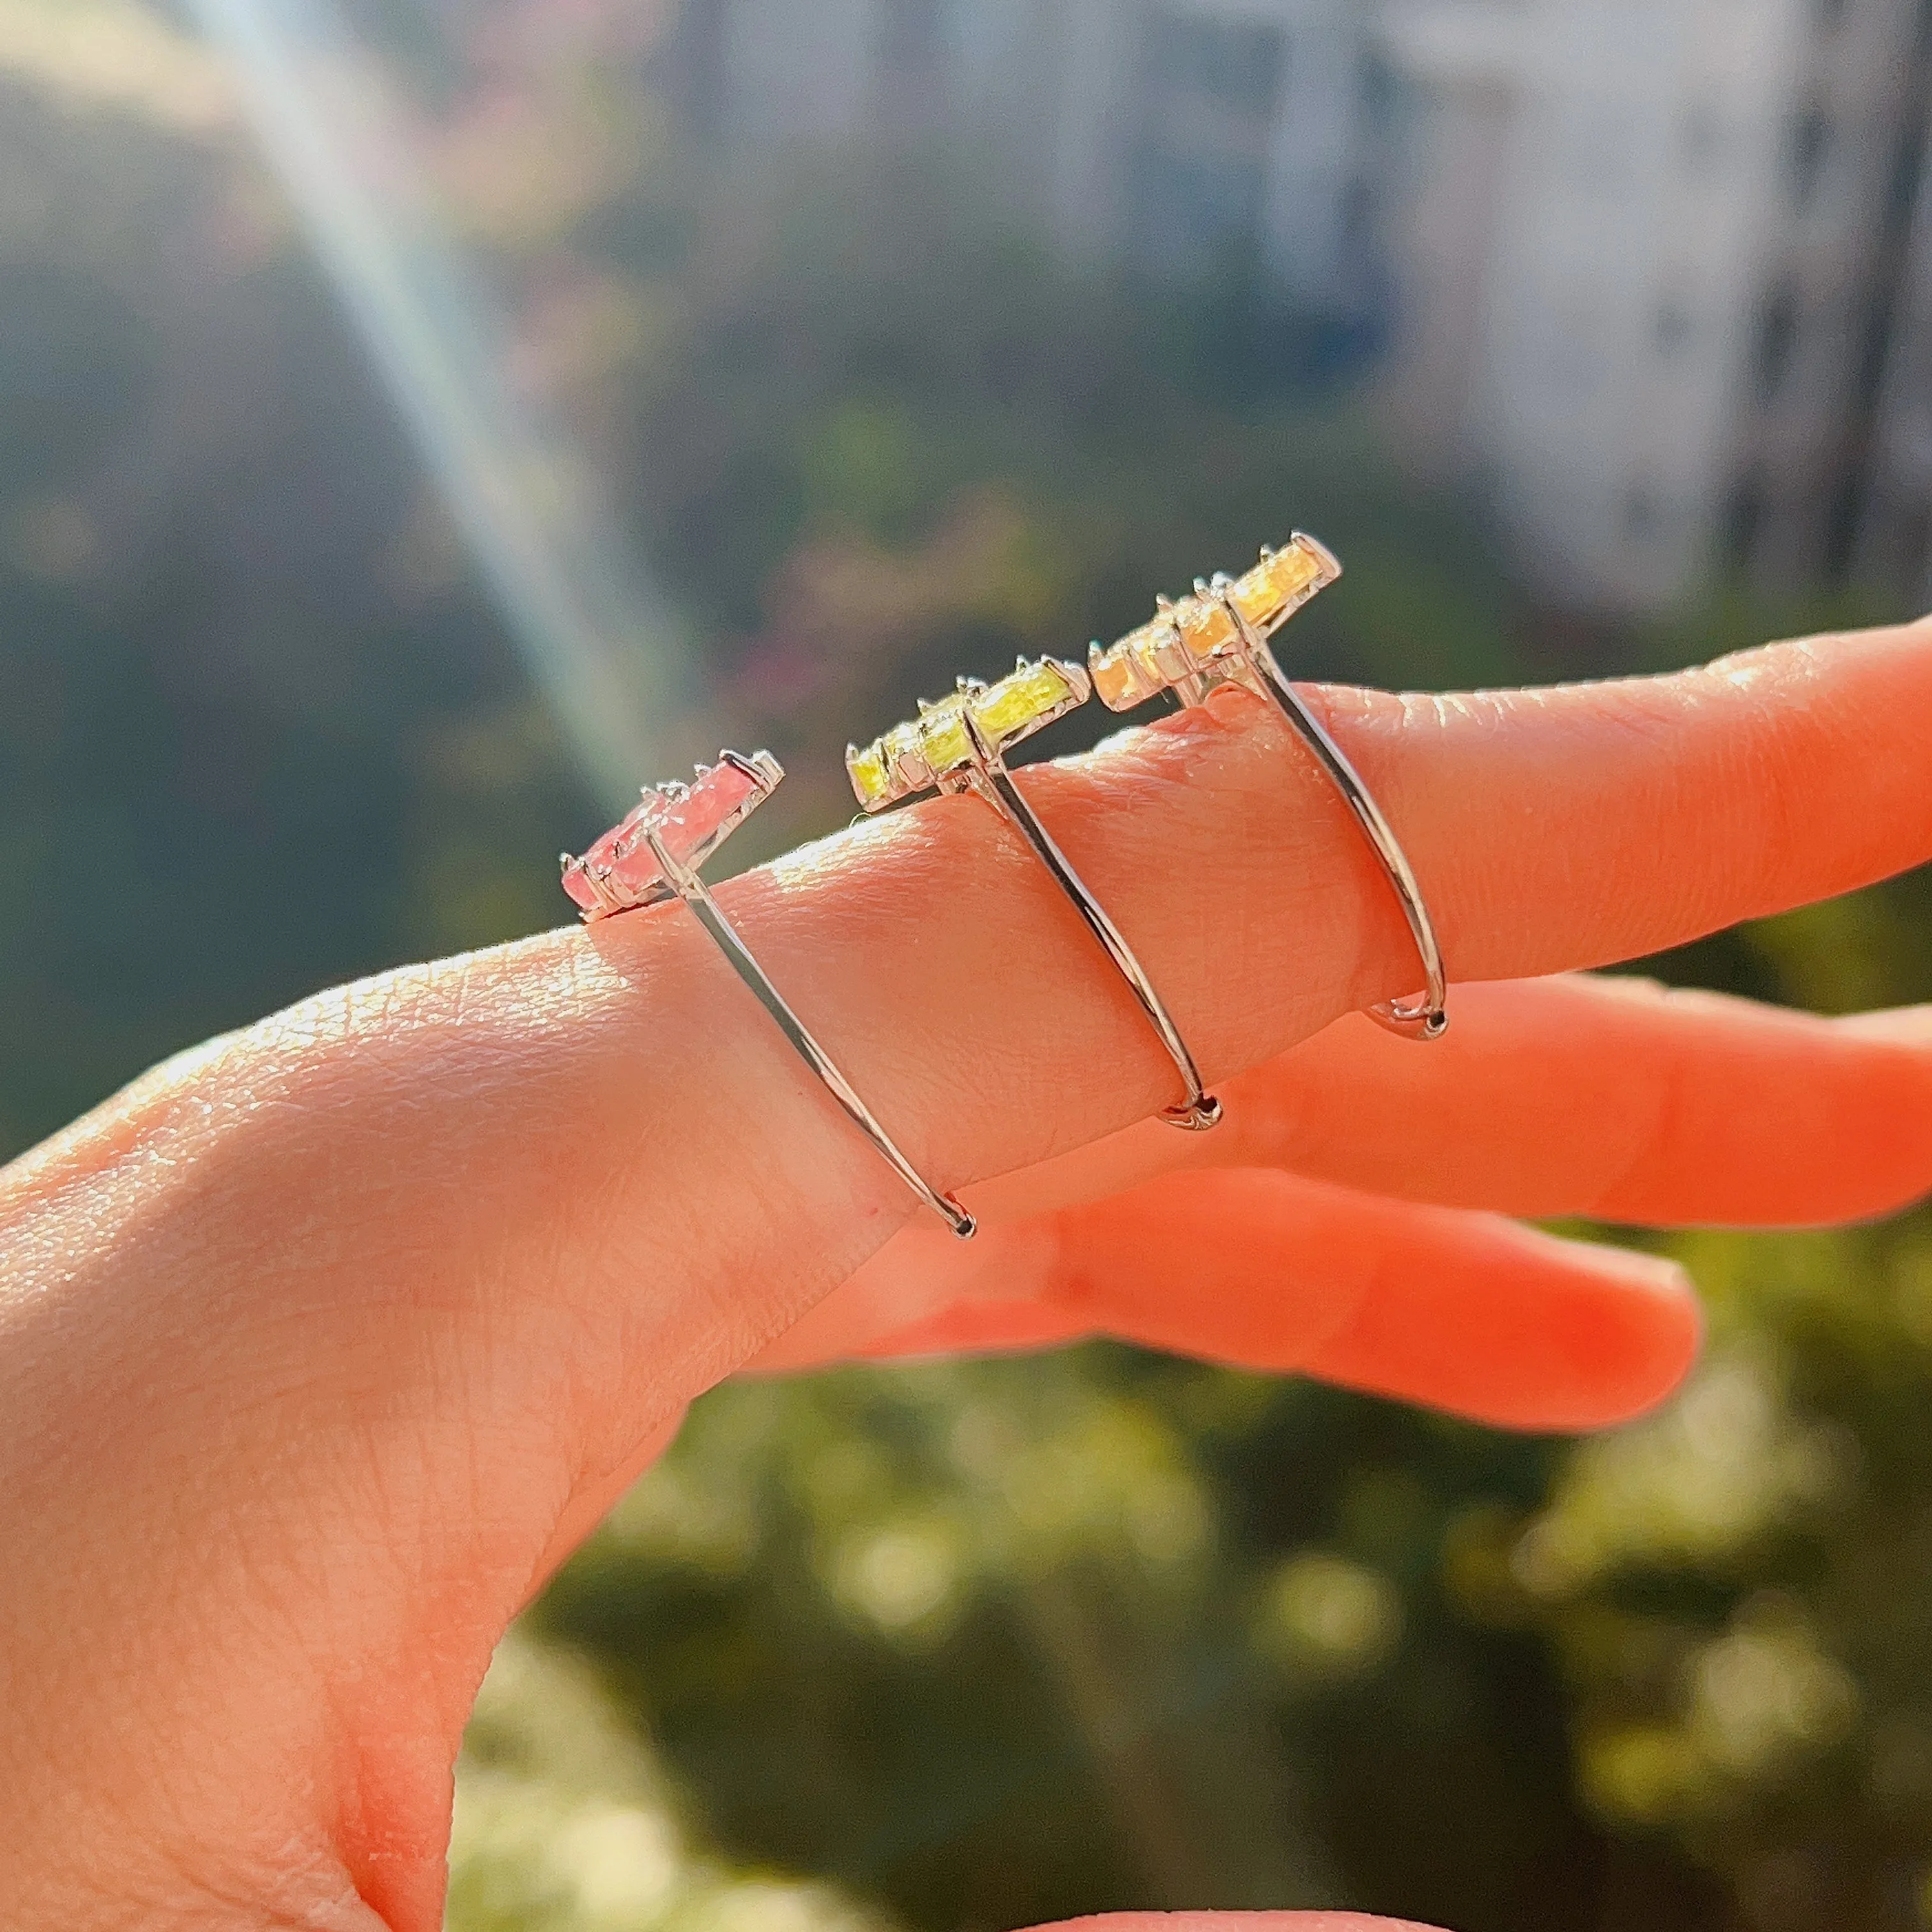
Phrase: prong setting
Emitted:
{"points": [[1192, 646], [935, 750], [618, 874]]}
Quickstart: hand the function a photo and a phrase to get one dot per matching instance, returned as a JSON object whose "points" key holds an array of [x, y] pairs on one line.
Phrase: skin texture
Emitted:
{"points": [[321, 1346]]}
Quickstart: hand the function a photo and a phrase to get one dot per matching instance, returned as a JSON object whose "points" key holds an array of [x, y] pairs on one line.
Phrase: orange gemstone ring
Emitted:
{"points": [[1220, 635]]}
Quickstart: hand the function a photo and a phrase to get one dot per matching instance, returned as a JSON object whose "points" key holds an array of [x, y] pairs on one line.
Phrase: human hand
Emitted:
{"points": [[321, 1346]]}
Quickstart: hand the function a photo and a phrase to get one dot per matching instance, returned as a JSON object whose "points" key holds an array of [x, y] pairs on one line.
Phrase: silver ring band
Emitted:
{"points": [[692, 889], [1201, 1110], [1423, 1019]]}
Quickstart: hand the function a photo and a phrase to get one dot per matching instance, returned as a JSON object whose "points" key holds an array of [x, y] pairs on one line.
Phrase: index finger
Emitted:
{"points": [[612, 1103], [1551, 828]]}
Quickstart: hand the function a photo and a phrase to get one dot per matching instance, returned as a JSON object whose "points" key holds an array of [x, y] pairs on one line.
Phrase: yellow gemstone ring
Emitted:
{"points": [[959, 744], [1220, 635]]}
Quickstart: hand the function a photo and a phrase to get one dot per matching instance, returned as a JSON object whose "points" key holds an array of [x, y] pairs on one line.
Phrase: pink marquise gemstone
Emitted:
{"points": [[684, 824], [578, 887]]}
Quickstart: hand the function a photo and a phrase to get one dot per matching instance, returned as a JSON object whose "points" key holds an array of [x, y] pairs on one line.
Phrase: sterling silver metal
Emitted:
{"points": [[692, 889], [1177, 653], [989, 776], [1423, 1019]]}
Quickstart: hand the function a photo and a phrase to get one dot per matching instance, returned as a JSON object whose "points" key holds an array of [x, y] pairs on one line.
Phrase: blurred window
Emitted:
{"points": [[1195, 211], [1211, 91], [1643, 516], [1912, 524], [1908, 172], [1776, 342], [1810, 151], [695, 60], [1831, 14], [1744, 518], [1874, 357], [1674, 327], [1216, 67], [1842, 523], [1379, 94], [1600, 152], [1702, 138], [911, 42]]}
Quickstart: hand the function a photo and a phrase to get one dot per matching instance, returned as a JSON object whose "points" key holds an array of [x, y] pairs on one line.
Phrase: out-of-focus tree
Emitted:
{"points": [[565, 1823]]}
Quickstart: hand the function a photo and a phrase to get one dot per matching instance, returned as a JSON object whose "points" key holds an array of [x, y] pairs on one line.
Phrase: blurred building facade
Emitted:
{"points": [[1657, 273], [1184, 134], [1692, 341], [1896, 533]]}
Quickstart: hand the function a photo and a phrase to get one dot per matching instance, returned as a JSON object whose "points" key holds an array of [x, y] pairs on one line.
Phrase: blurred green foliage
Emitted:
{"points": [[972, 1645]]}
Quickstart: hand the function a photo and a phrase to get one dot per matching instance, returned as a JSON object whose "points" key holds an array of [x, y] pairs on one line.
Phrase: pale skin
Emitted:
{"points": [[322, 1346]]}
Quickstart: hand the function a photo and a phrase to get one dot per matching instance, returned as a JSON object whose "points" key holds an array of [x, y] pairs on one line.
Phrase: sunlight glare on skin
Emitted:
{"points": [[598, 641]]}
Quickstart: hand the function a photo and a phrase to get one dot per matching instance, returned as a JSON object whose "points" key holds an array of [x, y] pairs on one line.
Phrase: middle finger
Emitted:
{"points": [[1576, 1095]]}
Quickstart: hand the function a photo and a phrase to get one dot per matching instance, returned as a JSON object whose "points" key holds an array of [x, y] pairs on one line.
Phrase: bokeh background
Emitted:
{"points": [[421, 419]]}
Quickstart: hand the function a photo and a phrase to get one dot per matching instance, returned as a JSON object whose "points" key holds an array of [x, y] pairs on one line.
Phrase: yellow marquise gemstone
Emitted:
{"points": [[1263, 593], [870, 779], [942, 737], [903, 756], [1023, 699], [911, 757]]}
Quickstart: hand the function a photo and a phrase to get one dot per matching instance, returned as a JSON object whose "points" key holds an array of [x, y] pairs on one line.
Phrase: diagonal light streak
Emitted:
{"points": [[600, 642]]}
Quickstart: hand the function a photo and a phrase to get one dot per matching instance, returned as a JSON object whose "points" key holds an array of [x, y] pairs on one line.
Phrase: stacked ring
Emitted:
{"points": [[1220, 635], [959, 744], [654, 855]]}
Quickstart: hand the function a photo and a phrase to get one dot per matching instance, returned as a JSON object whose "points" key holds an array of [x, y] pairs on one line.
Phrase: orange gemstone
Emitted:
{"points": [[1205, 629], [1116, 679], [1266, 591], [1126, 675]]}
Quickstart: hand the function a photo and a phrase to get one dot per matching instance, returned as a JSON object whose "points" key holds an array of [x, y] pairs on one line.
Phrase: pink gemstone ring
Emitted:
{"points": [[654, 854], [618, 874]]}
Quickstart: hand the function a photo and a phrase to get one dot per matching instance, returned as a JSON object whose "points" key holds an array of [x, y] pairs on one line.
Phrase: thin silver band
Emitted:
{"points": [[1423, 1019], [695, 894], [1200, 1111]]}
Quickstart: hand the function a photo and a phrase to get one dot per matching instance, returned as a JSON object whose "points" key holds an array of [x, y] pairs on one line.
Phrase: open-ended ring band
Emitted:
{"points": [[1220, 636], [1424, 1019], [1200, 1110], [959, 744], [656, 852], [696, 894]]}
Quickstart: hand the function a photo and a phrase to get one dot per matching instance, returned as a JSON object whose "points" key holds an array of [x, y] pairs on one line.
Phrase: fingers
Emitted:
{"points": [[1586, 823], [1464, 1311], [1616, 1099], [594, 1152], [1550, 830], [592, 1157], [616, 1101]]}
